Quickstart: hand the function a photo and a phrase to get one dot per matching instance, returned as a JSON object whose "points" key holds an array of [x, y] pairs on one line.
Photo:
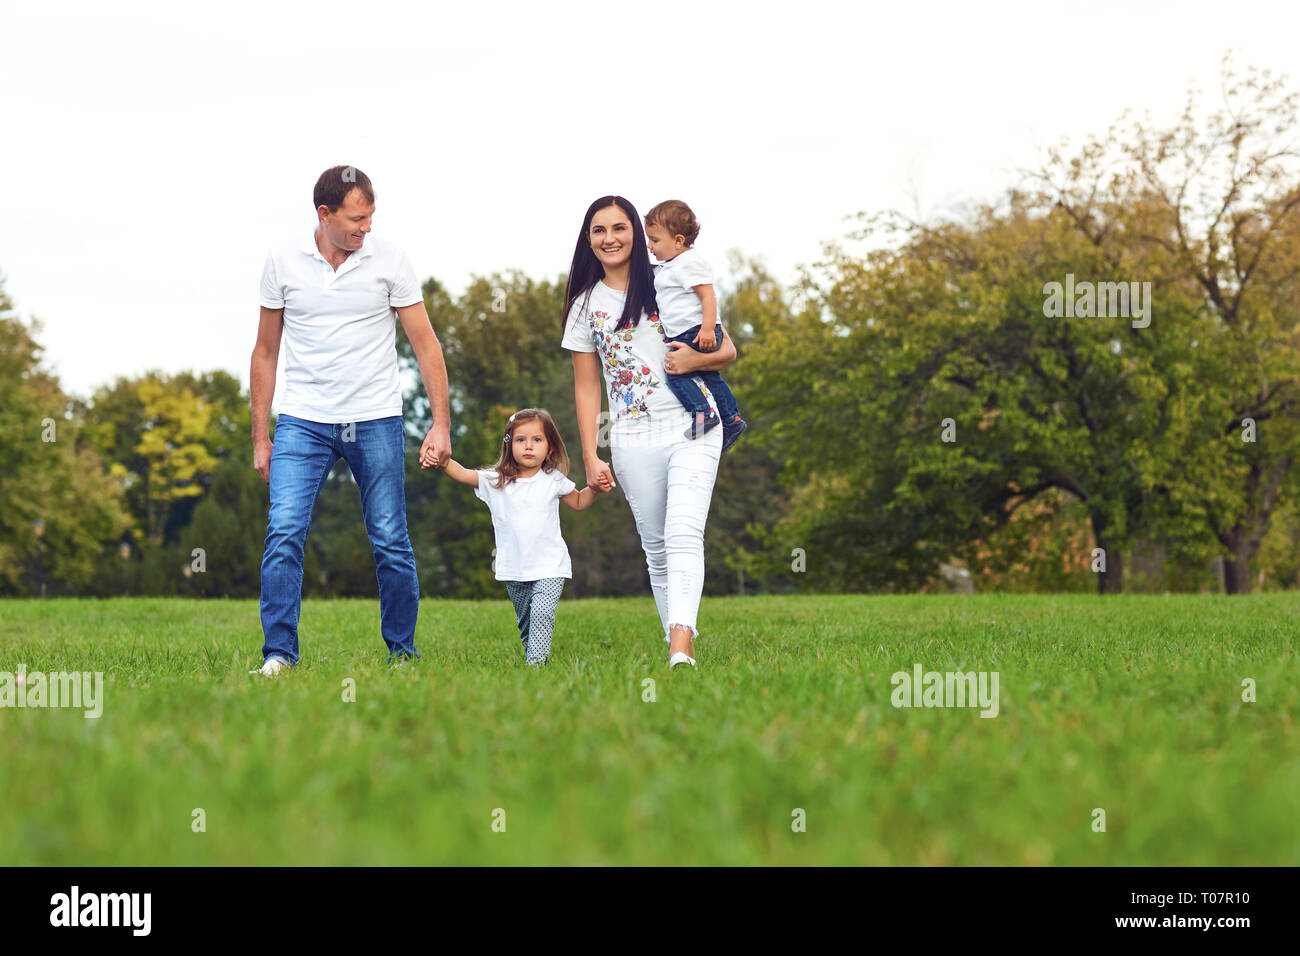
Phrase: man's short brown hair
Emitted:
{"points": [[675, 216], [335, 184]]}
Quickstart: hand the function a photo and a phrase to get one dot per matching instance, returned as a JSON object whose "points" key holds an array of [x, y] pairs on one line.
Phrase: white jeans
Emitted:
{"points": [[669, 488]]}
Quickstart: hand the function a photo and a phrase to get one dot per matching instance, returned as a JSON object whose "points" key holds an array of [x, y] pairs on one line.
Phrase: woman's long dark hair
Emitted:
{"points": [[586, 270]]}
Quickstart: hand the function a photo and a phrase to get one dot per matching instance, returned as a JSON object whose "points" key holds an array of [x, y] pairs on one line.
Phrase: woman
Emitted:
{"points": [[611, 323]]}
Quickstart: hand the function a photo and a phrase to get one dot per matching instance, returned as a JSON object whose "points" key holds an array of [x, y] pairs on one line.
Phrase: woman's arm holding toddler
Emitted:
{"points": [[683, 360]]}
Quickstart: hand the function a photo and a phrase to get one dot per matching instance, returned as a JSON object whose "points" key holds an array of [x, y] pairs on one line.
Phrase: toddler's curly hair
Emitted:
{"points": [[675, 216]]}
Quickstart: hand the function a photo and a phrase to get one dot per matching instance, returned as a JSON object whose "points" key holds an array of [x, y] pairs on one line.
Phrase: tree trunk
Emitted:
{"points": [[1236, 565], [1244, 538], [1110, 581]]}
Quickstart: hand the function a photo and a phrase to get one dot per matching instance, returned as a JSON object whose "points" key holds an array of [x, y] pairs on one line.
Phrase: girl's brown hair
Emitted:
{"points": [[556, 457]]}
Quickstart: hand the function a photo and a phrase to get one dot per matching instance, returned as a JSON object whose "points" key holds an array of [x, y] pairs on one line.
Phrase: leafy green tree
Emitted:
{"points": [[229, 526], [155, 429], [744, 552], [936, 393], [1143, 427], [61, 508], [1216, 199]]}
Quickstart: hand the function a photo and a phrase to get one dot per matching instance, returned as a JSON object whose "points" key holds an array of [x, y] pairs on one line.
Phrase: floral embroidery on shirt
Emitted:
{"points": [[630, 380]]}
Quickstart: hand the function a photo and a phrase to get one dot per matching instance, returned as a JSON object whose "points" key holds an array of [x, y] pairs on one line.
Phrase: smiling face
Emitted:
{"points": [[345, 228], [662, 245], [611, 237], [528, 444]]}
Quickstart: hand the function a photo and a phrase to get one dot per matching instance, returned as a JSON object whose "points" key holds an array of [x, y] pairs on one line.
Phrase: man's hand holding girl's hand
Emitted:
{"points": [[436, 449]]}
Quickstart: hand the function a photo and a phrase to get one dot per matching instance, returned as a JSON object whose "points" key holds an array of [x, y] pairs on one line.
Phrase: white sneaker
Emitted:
{"points": [[272, 667], [680, 658]]}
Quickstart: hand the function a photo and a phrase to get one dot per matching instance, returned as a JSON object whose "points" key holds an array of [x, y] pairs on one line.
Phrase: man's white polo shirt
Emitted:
{"points": [[340, 332]]}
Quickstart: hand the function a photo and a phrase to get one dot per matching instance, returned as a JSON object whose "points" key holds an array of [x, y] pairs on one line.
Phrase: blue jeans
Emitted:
{"points": [[302, 455], [688, 392]]}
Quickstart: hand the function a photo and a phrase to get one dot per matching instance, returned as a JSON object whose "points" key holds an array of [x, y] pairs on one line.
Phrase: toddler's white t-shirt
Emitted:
{"points": [[526, 522], [675, 281]]}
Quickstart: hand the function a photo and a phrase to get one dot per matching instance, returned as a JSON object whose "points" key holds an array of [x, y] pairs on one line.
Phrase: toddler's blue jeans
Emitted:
{"points": [[688, 391]]}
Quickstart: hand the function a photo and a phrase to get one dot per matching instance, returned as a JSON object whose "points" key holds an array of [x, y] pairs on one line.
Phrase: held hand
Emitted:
{"points": [[436, 449], [262, 458], [600, 476]]}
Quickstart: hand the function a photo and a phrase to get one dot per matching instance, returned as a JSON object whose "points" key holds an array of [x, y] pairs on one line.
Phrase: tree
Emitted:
{"points": [[229, 525], [156, 431], [961, 396], [949, 325], [743, 548], [61, 508], [1217, 198]]}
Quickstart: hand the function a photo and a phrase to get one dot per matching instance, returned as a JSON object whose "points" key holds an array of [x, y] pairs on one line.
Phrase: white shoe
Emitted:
{"points": [[680, 658], [272, 667]]}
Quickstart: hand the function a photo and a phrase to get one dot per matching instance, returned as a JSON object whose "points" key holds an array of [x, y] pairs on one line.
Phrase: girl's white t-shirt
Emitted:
{"points": [[526, 522], [643, 410]]}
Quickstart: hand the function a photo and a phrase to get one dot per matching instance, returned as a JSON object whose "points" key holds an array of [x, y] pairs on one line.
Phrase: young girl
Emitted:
{"points": [[524, 491]]}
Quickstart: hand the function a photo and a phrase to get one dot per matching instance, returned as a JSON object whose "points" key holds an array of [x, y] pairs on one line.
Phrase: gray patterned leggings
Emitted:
{"points": [[535, 603]]}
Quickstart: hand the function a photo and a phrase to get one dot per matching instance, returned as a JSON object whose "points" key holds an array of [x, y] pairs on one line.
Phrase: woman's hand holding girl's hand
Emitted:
{"points": [[599, 475]]}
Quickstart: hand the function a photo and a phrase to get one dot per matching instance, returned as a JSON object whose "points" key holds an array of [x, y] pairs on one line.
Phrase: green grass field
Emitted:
{"points": [[1131, 704]]}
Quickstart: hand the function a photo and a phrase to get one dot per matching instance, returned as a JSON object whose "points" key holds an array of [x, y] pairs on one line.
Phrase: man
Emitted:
{"points": [[331, 297]]}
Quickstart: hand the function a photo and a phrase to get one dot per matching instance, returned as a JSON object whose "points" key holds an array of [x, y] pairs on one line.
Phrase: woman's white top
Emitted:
{"points": [[643, 410], [526, 522]]}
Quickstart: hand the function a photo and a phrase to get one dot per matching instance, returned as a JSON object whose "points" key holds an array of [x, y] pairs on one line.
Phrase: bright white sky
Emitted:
{"points": [[153, 152]]}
